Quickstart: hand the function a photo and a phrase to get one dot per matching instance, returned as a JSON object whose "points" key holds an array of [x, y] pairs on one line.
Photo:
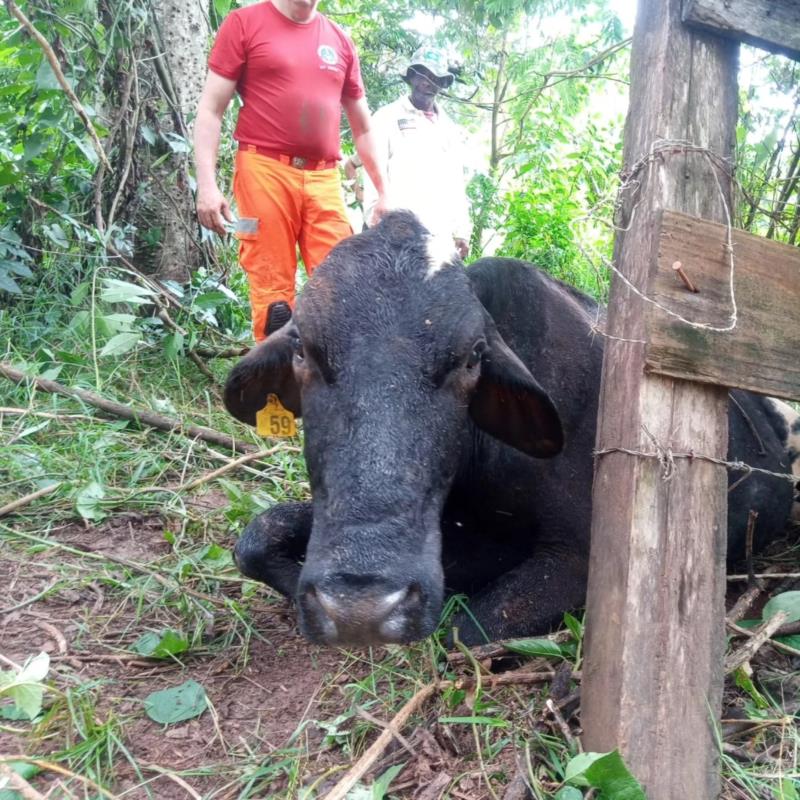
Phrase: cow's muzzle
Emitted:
{"points": [[344, 609]]}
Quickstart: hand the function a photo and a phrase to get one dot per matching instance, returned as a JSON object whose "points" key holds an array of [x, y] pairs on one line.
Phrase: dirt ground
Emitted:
{"points": [[282, 713], [257, 706], [267, 696]]}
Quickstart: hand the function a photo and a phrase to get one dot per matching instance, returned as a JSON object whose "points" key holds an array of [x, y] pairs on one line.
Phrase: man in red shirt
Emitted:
{"points": [[294, 70]]}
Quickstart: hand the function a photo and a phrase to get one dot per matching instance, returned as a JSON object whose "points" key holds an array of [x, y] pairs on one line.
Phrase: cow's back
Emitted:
{"points": [[550, 327]]}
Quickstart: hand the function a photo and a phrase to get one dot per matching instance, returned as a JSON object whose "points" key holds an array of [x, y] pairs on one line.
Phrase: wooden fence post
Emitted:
{"points": [[655, 610]]}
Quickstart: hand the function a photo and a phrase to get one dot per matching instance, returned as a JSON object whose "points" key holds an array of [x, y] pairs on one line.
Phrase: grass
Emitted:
{"points": [[120, 550]]}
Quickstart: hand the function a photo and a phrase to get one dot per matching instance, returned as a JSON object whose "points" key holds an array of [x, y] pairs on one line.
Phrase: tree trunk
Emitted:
{"points": [[180, 38]]}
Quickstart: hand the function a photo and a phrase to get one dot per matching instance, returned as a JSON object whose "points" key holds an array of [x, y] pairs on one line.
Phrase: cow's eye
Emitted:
{"points": [[297, 346], [475, 356]]}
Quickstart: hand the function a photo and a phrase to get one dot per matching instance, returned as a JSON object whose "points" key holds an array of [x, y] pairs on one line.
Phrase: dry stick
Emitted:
{"points": [[503, 679], [789, 629], [766, 575], [49, 766], [55, 633], [501, 648], [231, 465], [27, 412], [121, 660], [749, 632], [561, 722], [743, 603], [28, 498], [751, 527], [754, 589], [226, 352], [126, 412], [378, 723], [392, 728], [15, 11], [173, 777], [19, 784], [339, 792], [760, 636]]}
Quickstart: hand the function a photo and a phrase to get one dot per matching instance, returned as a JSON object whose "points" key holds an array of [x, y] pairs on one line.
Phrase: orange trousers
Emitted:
{"points": [[280, 208]]}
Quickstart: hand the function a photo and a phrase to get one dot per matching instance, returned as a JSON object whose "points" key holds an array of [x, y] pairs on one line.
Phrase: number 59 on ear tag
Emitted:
{"points": [[274, 419]]}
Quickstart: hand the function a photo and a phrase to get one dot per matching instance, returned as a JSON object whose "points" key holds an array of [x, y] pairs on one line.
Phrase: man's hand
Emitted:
{"points": [[381, 207], [213, 210], [350, 170], [212, 207], [462, 247]]}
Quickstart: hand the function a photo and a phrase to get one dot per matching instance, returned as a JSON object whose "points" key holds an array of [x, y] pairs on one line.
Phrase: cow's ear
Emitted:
{"points": [[510, 405], [266, 369]]}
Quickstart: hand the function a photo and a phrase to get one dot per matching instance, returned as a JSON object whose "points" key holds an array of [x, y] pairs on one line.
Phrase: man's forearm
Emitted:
{"points": [[207, 131], [367, 152]]}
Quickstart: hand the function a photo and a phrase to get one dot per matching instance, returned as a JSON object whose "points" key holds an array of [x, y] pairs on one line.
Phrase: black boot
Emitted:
{"points": [[278, 314]]}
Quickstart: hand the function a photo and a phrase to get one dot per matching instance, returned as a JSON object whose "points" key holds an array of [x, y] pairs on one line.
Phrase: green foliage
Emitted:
{"points": [[161, 644], [382, 783], [537, 647], [545, 165], [786, 601], [606, 772], [15, 261], [768, 147], [25, 686], [177, 704]]}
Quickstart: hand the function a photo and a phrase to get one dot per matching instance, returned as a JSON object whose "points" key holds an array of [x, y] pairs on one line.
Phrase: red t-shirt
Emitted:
{"points": [[291, 78]]}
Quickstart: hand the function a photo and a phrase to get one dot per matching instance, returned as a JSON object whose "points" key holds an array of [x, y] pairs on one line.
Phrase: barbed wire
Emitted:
{"points": [[666, 458], [630, 183]]}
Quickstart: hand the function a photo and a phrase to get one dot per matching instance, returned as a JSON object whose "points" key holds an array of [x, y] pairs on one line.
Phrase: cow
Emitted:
{"points": [[449, 420], [787, 424]]}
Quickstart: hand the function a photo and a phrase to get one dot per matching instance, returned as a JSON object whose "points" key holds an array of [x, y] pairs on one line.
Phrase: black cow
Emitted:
{"points": [[437, 461]]}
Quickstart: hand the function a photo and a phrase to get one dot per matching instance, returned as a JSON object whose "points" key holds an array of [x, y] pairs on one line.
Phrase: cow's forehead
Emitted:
{"points": [[375, 280]]}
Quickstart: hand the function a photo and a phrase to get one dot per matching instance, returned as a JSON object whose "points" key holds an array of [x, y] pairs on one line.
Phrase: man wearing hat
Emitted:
{"points": [[420, 148]]}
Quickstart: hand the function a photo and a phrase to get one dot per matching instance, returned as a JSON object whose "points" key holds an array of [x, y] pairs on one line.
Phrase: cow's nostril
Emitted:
{"points": [[344, 607], [338, 610], [414, 595]]}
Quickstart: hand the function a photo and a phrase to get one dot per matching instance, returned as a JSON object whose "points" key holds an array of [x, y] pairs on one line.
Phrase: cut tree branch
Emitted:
{"points": [[21, 502], [126, 412]]}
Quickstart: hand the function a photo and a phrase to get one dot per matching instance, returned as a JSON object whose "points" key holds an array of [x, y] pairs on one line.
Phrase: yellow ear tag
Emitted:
{"points": [[274, 419]]}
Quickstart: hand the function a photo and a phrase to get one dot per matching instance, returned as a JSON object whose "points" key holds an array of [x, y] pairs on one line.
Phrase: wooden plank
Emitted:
{"points": [[760, 353], [773, 25], [652, 682]]}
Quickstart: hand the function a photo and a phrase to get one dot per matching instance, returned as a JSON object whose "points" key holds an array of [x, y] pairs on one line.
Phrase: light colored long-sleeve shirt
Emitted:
{"points": [[422, 155]]}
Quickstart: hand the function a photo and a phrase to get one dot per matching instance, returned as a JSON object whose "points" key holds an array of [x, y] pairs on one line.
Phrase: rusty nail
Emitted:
{"points": [[678, 267]]}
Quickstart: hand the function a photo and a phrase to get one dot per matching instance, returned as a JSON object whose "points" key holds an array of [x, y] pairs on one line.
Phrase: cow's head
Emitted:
{"points": [[388, 356]]}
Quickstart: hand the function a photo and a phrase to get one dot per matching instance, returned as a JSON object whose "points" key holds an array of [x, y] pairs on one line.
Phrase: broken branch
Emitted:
{"points": [[126, 412], [497, 649], [20, 502], [758, 637], [231, 465], [339, 792]]}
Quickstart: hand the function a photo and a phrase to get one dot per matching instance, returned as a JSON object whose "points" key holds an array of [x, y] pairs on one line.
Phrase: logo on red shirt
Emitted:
{"points": [[327, 54]]}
